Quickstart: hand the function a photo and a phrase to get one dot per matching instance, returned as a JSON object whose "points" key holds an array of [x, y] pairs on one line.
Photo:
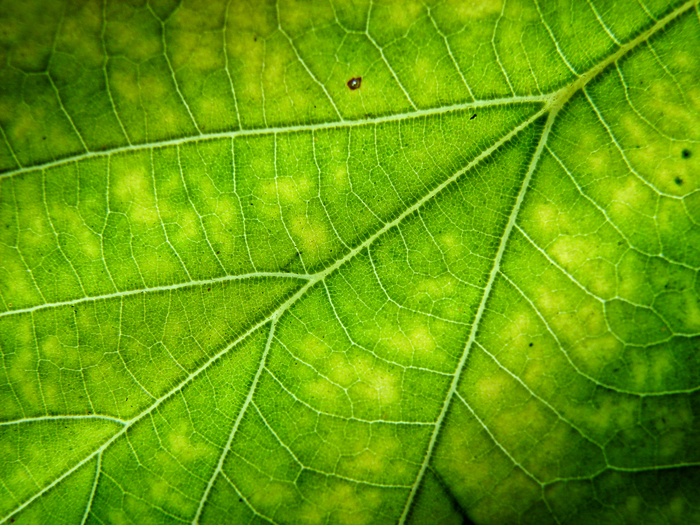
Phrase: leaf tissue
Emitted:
{"points": [[333, 262]]}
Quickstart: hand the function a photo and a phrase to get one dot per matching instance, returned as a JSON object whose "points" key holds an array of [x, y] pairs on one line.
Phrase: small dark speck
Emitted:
{"points": [[678, 181], [43, 138], [472, 117], [240, 500], [686, 153], [255, 39], [208, 289], [530, 344], [355, 83], [217, 253]]}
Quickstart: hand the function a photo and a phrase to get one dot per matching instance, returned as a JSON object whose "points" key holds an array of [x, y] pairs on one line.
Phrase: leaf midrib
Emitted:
{"points": [[553, 103]]}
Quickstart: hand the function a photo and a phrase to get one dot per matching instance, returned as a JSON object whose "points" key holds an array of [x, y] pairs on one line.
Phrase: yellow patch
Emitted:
{"points": [[22, 370], [182, 446], [377, 382], [594, 353], [521, 324], [341, 370], [52, 349], [610, 413], [423, 67], [633, 505], [599, 277], [670, 443], [322, 389], [311, 235], [189, 227], [273, 494], [517, 482], [403, 13], [125, 83], [662, 365], [571, 251], [633, 194], [23, 289], [162, 492], [88, 51], [415, 343], [422, 340], [199, 51], [476, 8], [293, 190], [490, 390], [311, 348], [549, 218], [347, 504], [295, 15], [24, 126], [134, 189], [677, 507], [340, 178], [374, 460], [246, 17], [437, 288], [691, 320]]}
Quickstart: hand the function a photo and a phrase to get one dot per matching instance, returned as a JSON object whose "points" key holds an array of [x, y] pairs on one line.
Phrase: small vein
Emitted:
{"points": [[172, 71], [495, 48], [155, 289], [555, 41], [88, 507], [67, 417], [271, 130], [303, 63], [384, 59], [602, 23], [239, 418]]}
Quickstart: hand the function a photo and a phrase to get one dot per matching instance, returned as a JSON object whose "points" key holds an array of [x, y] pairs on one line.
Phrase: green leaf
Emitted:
{"points": [[238, 286]]}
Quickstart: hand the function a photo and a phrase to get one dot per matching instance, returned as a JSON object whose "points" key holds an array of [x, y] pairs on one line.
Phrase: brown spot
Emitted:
{"points": [[686, 153], [355, 83]]}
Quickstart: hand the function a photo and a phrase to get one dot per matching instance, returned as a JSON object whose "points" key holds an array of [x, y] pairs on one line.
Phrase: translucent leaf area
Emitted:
{"points": [[335, 262]]}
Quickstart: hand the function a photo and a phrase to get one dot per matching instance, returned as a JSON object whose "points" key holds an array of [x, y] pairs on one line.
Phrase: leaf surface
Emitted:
{"points": [[237, 286]]}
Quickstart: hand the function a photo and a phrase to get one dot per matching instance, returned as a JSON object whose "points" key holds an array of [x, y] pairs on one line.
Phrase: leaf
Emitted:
{"points": [[350, 263]]}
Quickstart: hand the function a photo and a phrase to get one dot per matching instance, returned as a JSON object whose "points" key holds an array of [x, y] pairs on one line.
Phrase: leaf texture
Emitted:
{"points": [[238, 286]]}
